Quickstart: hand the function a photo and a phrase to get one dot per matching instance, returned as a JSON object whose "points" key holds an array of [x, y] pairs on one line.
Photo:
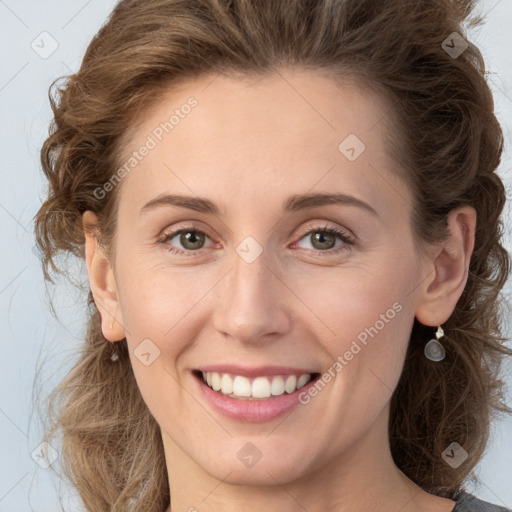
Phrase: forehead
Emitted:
{"points": [[280, 134]]}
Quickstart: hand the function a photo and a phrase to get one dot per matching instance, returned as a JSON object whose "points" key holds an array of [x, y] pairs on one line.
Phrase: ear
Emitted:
{"points": [[102, 281], [447, 267]]}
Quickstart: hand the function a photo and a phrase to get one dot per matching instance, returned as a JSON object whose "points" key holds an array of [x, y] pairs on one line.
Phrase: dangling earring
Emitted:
{"points": [[433, 349], [115, 356]]}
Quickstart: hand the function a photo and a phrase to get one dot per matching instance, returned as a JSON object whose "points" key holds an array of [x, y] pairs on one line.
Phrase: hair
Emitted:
{"points": [[443, 135]]}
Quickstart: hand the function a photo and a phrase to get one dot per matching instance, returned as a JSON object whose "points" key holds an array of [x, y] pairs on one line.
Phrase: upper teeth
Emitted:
{"points": [[260, 387]]}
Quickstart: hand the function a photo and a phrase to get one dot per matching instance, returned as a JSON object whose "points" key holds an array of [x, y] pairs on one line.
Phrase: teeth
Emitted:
{"points": [[216, 381], [226, 384], [241, 386], [291, 384], [260, 387], [277, 387], [303, 380]]}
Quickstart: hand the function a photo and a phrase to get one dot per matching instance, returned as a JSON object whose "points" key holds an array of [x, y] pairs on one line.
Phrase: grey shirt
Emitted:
{"points": [[466, 502]]}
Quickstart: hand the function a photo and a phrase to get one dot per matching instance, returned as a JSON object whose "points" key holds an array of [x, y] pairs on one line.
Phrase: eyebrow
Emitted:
{"points": [[294, 203]]}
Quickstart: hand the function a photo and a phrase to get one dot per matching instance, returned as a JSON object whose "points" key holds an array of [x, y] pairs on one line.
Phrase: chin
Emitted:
{"points": [[254, 468]]}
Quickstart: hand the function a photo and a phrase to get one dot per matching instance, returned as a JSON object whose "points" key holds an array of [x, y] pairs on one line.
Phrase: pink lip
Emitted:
{"points": [[260, 371], [253, 411]]}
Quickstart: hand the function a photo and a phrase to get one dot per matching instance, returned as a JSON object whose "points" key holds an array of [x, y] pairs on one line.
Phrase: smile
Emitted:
{"points": [[252, 395], [260, 387]]}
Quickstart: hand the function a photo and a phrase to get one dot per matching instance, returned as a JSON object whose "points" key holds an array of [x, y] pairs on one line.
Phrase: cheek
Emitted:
{"points": [[364, 316], [369, 317], [157, 302], [157, 308]]}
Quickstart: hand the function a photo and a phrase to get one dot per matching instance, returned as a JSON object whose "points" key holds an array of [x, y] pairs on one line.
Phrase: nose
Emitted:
{"points": [[252, 302]]}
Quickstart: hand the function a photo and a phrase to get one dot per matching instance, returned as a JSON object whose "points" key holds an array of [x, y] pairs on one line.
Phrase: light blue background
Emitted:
{"points": [[31, 335]]}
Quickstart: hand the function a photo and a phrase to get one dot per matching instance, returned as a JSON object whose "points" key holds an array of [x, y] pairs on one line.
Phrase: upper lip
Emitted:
{"points": [[258, 371]]}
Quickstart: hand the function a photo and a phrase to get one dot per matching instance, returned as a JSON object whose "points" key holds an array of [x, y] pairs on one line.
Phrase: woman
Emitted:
{"points": [[290, 217]]}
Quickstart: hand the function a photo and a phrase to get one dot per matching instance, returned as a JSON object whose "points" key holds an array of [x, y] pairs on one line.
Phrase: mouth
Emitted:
{"points": [[252, 395], [262, 387]]}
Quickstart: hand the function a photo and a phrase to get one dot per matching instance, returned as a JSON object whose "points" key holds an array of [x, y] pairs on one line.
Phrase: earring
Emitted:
{"points": [[433, 349], [115, 355]]}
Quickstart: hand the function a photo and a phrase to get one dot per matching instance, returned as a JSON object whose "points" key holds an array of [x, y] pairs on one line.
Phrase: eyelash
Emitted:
{"points": [[347, 241]]}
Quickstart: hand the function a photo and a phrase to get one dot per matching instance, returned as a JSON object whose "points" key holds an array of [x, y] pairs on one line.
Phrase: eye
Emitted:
{"points": [[323, 239], [190, 238]]}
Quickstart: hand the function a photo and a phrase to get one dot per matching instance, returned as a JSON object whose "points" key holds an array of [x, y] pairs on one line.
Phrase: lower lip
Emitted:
{"points": [[254, 411]]}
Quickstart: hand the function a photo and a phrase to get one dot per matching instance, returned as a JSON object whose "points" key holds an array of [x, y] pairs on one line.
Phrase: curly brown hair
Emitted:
{"points": [[444, 133]]}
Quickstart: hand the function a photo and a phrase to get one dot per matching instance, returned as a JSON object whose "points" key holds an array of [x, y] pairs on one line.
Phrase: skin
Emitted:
{"points": [[248, 146]]}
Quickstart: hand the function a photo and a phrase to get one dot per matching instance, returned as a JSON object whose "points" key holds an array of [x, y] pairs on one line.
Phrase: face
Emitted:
{"points": [[261, 284]]}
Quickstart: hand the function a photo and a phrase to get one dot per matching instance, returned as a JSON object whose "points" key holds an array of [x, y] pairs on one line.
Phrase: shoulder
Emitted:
{"points": [[468, 503]]}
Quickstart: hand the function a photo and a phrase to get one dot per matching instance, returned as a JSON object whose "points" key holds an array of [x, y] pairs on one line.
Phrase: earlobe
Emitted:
{"points": [[447, 269], [102, 281]]}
